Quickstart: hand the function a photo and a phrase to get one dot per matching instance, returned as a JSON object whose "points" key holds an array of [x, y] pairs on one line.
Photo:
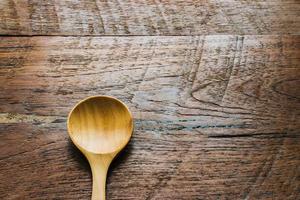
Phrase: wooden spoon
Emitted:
{"points": [[100, 126]]}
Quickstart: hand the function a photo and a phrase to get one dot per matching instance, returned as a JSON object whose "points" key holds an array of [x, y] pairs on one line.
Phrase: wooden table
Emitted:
{"points": [[213, 87]]}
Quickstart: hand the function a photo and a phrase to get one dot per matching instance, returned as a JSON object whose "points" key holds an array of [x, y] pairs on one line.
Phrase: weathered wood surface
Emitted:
{"points": [[215, 117], [148, 17]]}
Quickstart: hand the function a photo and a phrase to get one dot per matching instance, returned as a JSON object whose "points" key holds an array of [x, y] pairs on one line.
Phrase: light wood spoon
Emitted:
{"points": [[100, 127]]}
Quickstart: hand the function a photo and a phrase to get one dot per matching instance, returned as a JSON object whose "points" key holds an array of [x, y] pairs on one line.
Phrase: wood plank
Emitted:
{"points": [[148, 17], [215, 116]]}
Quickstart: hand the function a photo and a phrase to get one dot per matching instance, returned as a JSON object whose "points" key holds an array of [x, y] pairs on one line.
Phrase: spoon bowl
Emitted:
{"points": [[100, 126]]}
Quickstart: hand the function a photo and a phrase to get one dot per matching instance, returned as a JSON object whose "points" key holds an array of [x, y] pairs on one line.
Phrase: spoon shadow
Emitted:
{"points": [[121, 157], [84, 164], [78, 156]]}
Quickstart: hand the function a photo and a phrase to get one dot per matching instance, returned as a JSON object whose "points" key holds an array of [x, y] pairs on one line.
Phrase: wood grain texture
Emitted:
{"points": [[216, 117], [148, 17]]}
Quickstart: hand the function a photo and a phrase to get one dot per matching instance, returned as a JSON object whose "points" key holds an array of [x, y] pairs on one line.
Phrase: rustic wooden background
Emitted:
{"points": [[214, 87]]}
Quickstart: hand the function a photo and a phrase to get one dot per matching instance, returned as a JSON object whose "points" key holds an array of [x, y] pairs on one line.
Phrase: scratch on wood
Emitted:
{"points": [[100, 16], [199, 58], [230, 69]]}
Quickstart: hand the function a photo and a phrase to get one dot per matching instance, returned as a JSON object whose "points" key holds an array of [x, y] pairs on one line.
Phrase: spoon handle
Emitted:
{"points": [[99, 171]]}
